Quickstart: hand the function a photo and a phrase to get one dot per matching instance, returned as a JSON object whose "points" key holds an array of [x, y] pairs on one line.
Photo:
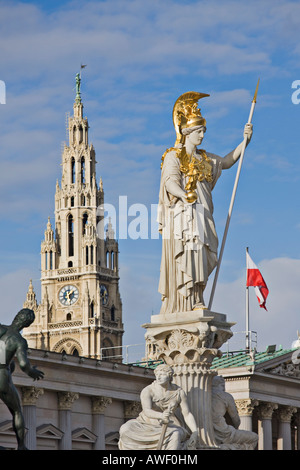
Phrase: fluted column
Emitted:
{"points": [[245, 409], [29, 399], [65, 402], [196, 381], [99, 405], [265, 411], [285, 414]]}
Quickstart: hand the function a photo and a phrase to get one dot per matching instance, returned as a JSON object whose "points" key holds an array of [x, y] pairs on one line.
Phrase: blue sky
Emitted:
{"points": [[140, 57]]}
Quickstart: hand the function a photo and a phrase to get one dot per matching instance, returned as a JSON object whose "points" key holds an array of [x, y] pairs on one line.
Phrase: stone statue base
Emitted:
{"points": [[189, 342]]}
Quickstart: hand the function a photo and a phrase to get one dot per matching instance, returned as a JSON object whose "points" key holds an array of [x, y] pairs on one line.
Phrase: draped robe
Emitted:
{"points": [[143, 433], [189, 238]]}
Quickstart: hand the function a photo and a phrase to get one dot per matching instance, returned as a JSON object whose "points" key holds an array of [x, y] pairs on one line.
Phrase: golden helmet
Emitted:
{"points": [[186, 113]]}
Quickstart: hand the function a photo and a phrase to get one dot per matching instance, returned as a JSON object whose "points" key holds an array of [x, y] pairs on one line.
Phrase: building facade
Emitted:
{"points": [[82, 402], [79, 405], [80, 311], [266, 390]]}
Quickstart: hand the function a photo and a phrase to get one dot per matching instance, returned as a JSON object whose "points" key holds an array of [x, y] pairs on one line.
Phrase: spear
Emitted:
{"points": [[232, 201]]}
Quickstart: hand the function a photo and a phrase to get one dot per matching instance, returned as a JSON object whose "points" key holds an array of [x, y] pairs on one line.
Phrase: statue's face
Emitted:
{"points": [[162, 377], [197, 136]]}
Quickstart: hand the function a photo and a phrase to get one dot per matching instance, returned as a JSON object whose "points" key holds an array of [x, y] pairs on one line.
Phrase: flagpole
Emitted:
{"points": [[232, 201], [247, 310]]}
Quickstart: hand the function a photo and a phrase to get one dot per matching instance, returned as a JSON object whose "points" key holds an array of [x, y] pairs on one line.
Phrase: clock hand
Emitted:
{"points": [[68, 296]]}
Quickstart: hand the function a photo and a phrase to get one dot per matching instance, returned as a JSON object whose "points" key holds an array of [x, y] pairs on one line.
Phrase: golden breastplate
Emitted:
{"points": [[195, 168]]}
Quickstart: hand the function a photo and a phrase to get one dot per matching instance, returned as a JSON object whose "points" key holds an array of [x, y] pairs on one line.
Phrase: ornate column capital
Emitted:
{"points": [[246, 406], [297, 417], [99, 404], [285, 413], [266, 409], [30, 395], [132, 409], [66, 400]]}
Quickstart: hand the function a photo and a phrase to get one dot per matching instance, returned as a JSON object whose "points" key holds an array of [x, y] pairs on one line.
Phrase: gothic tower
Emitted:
{"points": [[80, 311]]}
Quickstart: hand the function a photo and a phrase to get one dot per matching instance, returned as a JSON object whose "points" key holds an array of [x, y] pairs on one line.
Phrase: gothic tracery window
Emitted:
{"points": [[85, 219], [72, 170], [82, 170], [71, 235]]}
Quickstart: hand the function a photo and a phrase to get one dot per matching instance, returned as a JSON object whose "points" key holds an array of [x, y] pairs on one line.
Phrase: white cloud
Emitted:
{"points": [[128, 40], [140, 57], [13, 289], [279, 324]]}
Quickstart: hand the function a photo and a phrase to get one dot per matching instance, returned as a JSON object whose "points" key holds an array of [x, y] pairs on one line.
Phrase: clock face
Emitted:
{"points": [[68, 295], [104, 294]]}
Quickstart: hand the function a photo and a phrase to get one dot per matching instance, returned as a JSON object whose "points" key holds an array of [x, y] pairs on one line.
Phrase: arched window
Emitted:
{"points": [[75, 352], [72, 201], [92, 254], [82, 170], [69, 317], [72, 170], [71, 235], [80, 134], [112, 260], [51, 259], [112, 313], [86, 255], [70, 264], [92, 310], [85, 219], [107, 349]]}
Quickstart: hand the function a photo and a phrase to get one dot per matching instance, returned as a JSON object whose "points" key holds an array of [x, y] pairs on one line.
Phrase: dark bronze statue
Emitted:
{"points": [[12, 344]]}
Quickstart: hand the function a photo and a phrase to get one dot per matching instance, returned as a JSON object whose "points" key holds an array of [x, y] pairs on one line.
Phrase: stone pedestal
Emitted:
{"points": [[188, 342]]}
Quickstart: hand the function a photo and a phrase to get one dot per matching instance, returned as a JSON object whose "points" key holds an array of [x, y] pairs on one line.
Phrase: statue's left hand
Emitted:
{"points": [[248, 131]]}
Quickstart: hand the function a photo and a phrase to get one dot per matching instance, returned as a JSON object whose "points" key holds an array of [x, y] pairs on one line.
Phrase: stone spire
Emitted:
{"points": [[78, 93], [110, 234], [30, 301], [77, 262]]}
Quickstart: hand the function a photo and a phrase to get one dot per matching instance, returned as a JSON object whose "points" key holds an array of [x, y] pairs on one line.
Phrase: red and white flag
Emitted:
{"points": [[254, 278]]}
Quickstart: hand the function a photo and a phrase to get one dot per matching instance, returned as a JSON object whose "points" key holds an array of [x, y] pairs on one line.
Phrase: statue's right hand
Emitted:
{"points": [[36, 374], [165, 416], [191, 197]]}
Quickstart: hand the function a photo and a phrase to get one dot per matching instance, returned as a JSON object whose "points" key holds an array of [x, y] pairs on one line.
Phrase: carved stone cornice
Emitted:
{"points": [[132, 409], [99, 404], [265, 410], [287, 369], [246, 406], [30, 395], [66, 400]]}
